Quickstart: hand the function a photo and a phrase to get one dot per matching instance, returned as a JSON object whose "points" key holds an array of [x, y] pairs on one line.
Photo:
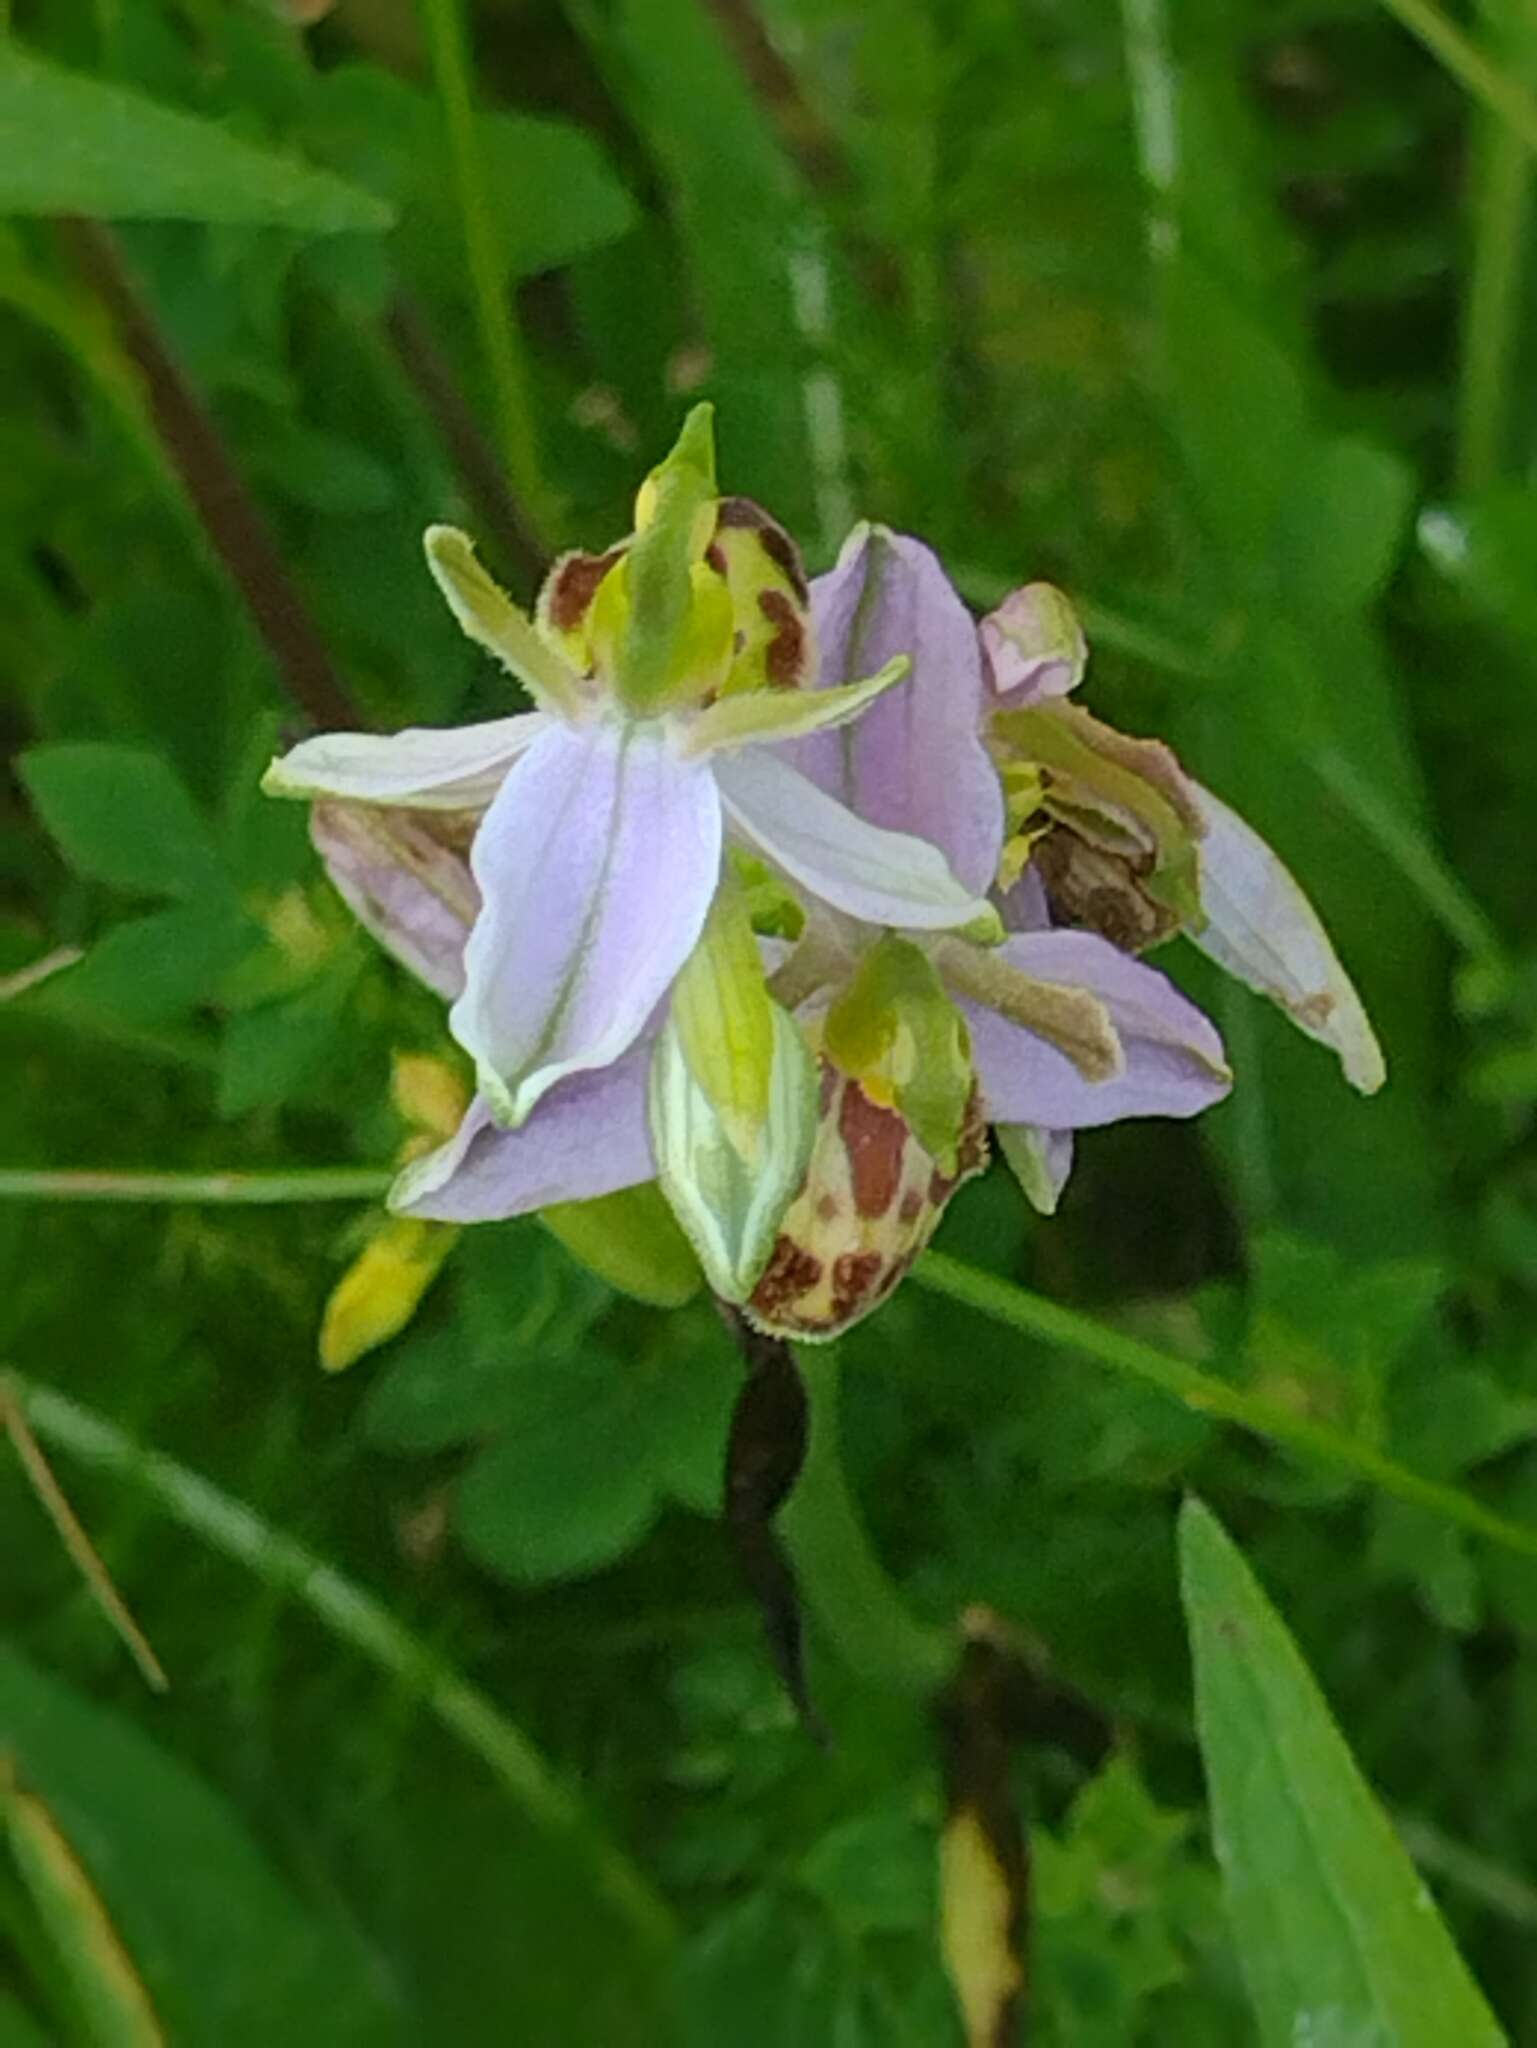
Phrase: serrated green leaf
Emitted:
{"points": [[1339, 1939], [73, 144]]}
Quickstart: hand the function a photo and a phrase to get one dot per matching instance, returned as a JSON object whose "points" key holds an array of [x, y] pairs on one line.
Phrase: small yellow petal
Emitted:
{"points": [[382, 1289], [429, 1093]]}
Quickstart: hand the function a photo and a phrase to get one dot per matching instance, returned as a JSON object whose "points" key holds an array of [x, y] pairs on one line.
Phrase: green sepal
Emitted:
{"points": [[776, 716], [488, 616], [731, 1211], [724, 1019], [630, 1240], [675, 516], [896, 1031]]}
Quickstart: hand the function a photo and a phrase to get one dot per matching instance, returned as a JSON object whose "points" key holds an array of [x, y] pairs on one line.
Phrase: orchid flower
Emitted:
{"points": [[582, 843], [927, 1038], [921, 1036], [1121, 840], [1108, 848]]}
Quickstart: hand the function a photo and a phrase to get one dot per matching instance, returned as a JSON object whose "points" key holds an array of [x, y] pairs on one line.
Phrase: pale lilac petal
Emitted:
{"points": [[399, 879], [1026, 907], [884, 878], [1034, 647], [915, 762], [430, 767], [1039, 1159], [1175, 1065], [597, 864], [587, 1137], [1264, 931]]}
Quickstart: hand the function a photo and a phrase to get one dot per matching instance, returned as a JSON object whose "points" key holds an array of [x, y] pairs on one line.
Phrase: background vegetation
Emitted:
{"points": [[1217, 312]]}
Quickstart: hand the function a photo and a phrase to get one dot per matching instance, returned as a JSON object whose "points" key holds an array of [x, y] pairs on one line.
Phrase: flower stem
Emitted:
{"points": [[1501, 192], [1033, 1316], [844, 1582], [289, 1184], [1459, 55], [499, 339], [503, 519], [362, 1621]]}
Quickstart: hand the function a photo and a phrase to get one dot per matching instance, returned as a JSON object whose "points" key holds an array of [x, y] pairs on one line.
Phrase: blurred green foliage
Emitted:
{"points": [[1217, 312]]}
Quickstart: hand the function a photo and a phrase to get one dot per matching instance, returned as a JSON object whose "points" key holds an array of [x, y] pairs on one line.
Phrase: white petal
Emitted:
{"points": [[1264, 931], [596, 865], [731, 1210], [429, 767], [884, 878]]}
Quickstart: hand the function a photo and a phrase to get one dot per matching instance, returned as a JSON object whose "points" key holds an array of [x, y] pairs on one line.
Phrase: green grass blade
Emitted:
{"points": [[1033, 1316], [362, 1621]]}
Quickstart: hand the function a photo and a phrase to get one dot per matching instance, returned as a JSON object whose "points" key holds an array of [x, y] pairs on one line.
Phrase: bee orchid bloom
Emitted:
{"points": [[1123, 841], [926, 1039], [599, 819]]}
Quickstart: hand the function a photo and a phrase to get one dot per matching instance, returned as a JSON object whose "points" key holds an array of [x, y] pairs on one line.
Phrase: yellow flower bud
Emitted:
{"points": [[382, 1289]]}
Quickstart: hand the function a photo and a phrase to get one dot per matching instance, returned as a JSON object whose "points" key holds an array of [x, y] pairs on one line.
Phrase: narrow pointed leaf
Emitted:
{"points": [[107, 1990], [1340, 1941]]}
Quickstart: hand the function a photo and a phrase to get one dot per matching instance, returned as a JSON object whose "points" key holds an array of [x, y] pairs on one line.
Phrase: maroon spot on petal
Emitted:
{"points": [[912, 1206], [876, 1141], [854, 1277], [790, 1272], [772, 538], [573, 584], [972, 1149], [715, 555], [827, 1208], [784, 656]]}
